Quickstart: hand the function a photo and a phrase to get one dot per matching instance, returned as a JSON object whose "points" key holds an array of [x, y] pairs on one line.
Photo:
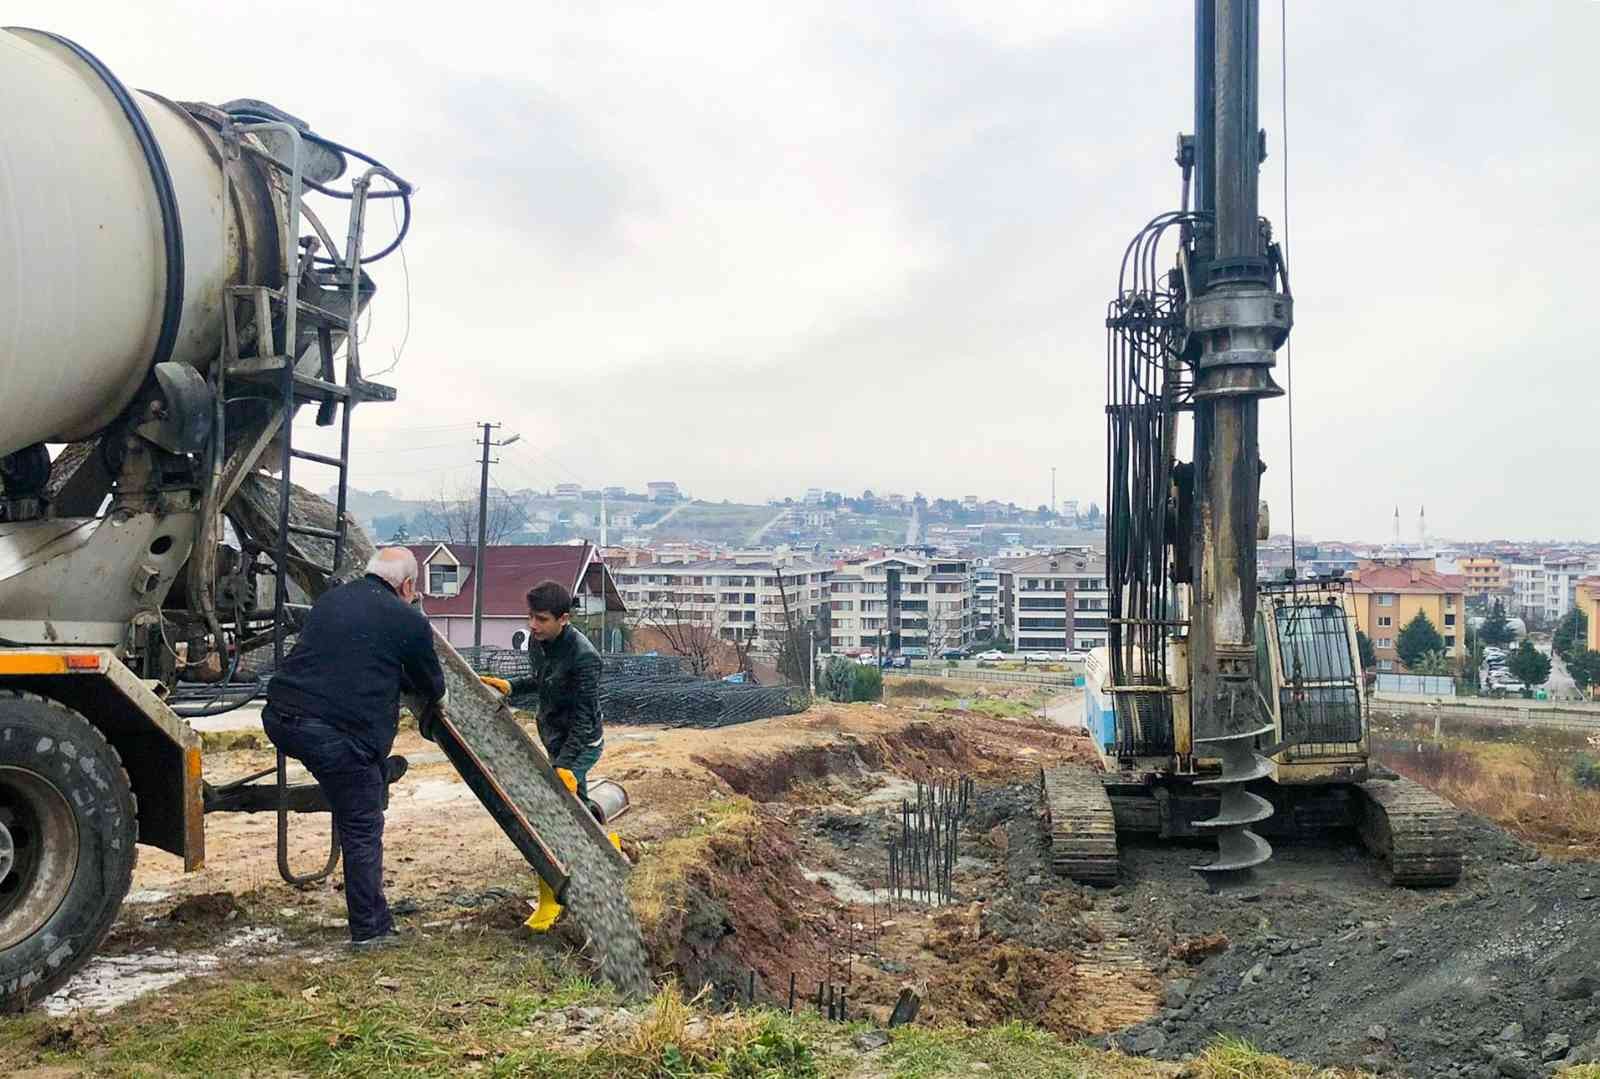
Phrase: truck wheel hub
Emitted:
{"points": [[38, 852]]}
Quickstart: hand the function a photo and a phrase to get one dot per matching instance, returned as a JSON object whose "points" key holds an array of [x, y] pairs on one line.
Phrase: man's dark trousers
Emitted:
{"points": [[354, 786]]}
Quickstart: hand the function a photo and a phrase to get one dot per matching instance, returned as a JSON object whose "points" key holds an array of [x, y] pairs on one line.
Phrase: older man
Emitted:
{"points": [[334, 706]]}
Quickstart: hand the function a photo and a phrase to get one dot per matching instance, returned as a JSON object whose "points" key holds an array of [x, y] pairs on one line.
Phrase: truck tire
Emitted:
{"points": [[68, 829]]}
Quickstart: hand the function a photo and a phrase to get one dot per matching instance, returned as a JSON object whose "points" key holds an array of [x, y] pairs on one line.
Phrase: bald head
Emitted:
{"points": [[398, 567]]}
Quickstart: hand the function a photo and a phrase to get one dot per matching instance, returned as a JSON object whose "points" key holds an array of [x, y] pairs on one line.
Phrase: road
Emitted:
{"points": [[1066, 710], [755, 537], [1560, 685], [665, 517]]}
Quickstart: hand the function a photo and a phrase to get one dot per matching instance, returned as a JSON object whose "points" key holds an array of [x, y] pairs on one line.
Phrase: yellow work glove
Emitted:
{"points": [[499, 685], [568, 778]]}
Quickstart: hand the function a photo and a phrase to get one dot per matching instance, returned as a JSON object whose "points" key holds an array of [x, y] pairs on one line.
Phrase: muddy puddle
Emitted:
{"points": [[110, 981]]}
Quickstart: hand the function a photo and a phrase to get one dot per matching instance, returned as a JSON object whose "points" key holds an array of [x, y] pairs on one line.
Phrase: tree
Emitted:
{"points": [[1472, 661], [392, 525], [867, 685], [1369, 657], [683, 631], [1528, 665], [1433, 663], [1417, 639], [454, 516], [1092, 518], [944, 626], [837, 678], [1584, 666], [1494, 630], [1571, 632]]}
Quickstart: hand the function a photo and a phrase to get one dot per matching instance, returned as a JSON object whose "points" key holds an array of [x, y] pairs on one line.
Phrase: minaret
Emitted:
{"points": [[1422, 525]]}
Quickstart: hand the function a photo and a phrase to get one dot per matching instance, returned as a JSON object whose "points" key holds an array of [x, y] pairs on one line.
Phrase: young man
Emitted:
{"points": [[334, 706], [566, 675]]}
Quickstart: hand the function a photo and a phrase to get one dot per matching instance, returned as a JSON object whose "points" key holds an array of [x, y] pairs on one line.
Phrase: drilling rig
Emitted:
{"points": [[1219, 707], [169, 301]]}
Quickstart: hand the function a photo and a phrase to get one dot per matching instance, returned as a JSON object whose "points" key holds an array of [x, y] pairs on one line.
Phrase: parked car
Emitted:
{"points": [[899, 661], [1075, 656], [952, 653], [1039, 657], [992, 655]]}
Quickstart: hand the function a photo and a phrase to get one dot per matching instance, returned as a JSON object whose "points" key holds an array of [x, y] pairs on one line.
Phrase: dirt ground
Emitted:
{"points": [[761, 854]]}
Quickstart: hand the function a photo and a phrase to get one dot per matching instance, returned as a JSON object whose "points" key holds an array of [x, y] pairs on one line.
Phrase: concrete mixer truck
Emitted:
{"points": [[169, 299]]}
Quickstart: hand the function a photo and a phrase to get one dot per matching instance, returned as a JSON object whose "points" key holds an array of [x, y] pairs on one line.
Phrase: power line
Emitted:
{"points": [[557, 465]]}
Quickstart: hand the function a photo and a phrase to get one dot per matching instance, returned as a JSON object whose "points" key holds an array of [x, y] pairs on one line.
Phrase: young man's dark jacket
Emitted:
{"points": [[360, 647], [566, 675]]}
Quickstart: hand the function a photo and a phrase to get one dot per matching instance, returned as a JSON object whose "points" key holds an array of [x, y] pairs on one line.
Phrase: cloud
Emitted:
{"points": [[757, 248]]}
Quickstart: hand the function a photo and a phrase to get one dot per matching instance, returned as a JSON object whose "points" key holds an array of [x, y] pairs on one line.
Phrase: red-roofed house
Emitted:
{"points": [[1384, 596], [509, 570]]}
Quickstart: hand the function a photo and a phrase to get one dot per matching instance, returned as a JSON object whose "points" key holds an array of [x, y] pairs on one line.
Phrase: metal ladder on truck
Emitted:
{"points": [[295, 328]]}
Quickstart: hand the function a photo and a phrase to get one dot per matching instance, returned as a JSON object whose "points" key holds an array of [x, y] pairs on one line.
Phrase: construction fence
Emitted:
{"points": [[979, 674], [1524, 713], [638, 690], [1429, 684]]}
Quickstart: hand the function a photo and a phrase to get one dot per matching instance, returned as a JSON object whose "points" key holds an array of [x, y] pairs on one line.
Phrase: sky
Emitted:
{"points": [[756, 248]]}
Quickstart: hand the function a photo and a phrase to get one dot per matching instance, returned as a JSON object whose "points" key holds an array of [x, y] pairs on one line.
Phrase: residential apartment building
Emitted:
{"points": [[1546, 589], [1587, 600], [1525, 587], [663, 491], [1058, 601], [914, 605], [1385, 596], [987, 616], [737, 600], [1561, 575], [1486, 577]]}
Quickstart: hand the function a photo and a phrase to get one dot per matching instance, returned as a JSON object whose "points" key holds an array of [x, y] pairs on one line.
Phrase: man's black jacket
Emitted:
{"points": [[360, 647], [566, 675]]}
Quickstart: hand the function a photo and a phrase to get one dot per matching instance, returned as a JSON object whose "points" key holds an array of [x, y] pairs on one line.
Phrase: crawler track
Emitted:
{"points": [[1410, 830], [1083, 830]]}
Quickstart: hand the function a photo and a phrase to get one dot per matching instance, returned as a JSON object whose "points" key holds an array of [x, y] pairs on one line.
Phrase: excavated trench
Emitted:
{"points": [[798, 890], [1317, 958]]}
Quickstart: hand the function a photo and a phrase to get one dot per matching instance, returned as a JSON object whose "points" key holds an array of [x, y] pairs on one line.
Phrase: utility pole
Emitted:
{"points": [[602, 570], [483, 532]]}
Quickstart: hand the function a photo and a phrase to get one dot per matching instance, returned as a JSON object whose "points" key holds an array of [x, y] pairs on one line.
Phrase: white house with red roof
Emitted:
{"points": [[509, 571]]}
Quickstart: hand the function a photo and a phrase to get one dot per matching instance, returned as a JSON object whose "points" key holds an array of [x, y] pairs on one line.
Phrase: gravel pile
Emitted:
{"points": [[1499, 976]]}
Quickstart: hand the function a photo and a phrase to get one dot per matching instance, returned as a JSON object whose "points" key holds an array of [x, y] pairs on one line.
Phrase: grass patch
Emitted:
{"points": [[655, 886], [993, 707], [1012, 1050], [479, 1002], [228, 741], [922, 688], [441, 1006], [1025, 1052], [1526, 784], [429, 1007]]}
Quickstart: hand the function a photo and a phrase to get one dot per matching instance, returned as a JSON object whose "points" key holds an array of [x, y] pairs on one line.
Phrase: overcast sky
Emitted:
{"points": [[755, 248]]}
